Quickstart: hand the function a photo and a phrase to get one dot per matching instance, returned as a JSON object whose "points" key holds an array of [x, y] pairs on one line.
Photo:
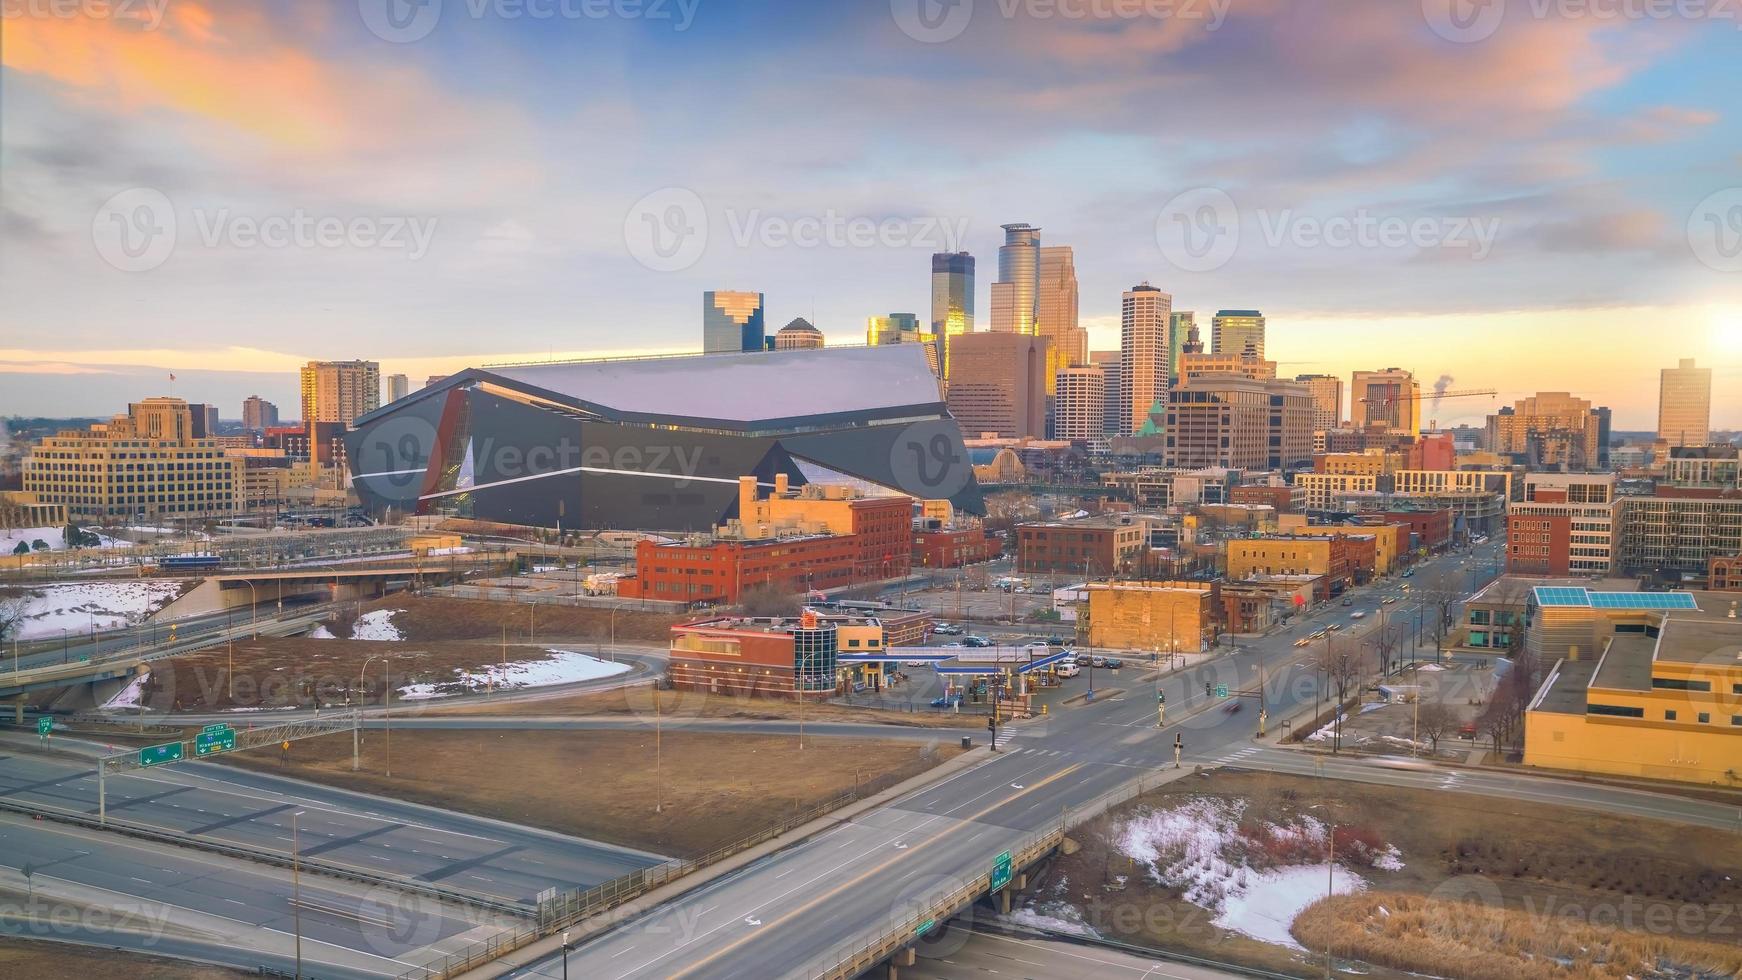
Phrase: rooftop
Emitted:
{"points": [[1579, 597], [1564, 691]]}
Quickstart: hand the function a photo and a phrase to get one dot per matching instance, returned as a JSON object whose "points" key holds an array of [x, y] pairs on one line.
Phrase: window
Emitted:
{"points": [[1679, 684], [1615, 710], [1705, 718], [1669, 715]]}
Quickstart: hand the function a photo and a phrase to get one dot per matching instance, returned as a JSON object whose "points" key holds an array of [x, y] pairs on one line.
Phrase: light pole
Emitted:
{"points": [[296, 887], [386, 700]]}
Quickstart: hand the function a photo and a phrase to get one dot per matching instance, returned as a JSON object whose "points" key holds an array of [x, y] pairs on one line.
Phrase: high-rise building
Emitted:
{"points": [[1388, 399], [999, 385], [1182, 326], [1080, 404], [1055, 315], [799, 334], [205, 420], [1565, 525], [732, 322], [952, 300], [258, 414], [1684, 404], [339, 391], [1247, 365], [398, 386], [1111, 371], [1016, 293], [1143, 375], [1549, 429], [1327, 392], [1241, 423], [1237, 331], [902, 328], [145, 464]]}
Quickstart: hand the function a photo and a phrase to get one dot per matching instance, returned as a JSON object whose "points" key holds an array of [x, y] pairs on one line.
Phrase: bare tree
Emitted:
{"points": [[1434, 721], [11, 615], [1342, 667], [768, 600]]}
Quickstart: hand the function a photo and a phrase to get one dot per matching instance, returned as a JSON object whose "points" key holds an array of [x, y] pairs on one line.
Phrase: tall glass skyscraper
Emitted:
{"points": [[731, 322], [1055, 312], [1017, 290], [952, 301], [1181, 326], [1236, 331]]}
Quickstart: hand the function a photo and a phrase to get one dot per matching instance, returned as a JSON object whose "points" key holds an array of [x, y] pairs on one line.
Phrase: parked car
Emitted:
{"points": [[1467, 730], [947, 701], [1098, 660], [1068, 668], [976, 641], [1056, 641], [1113, 663], [916, 663], [1083, 660], [1348, 601], [956, 646]]}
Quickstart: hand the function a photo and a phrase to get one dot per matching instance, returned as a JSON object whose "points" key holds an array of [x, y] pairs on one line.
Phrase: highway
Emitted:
{"points": [[235, 806], [785, 914], [983, 952]]}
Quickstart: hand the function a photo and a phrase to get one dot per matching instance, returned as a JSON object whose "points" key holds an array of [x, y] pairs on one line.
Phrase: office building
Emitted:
{"points": [[1080, 404], [1389, 400], [1144, 315], [1327, 392], [1338, 561], [1114, 414], [145, 465], [1145, 616], [902, 328], [1237, 332], [793, 658], [1017, 291], [258, 414], [1677, 531], [999, 385], [205, 420], [1240, 423], [1182, 327], [1684, 404], [398, 386], [1246, 365], [799, 334], [1091, 547], [952, 301], [1564, 526], [1550, 429], [1055, 311], [340, 391], [1703, 467], [659, 443], [732, 322]]}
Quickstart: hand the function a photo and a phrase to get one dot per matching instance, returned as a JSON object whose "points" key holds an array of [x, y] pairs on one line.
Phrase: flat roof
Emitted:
{"points": [[1626, 663], [1579, 597], [1563, 693], [1525, 583], [1707, 642]]}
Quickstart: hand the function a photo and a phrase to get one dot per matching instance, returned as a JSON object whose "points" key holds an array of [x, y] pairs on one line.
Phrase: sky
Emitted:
{"points": [[1521, 194]]}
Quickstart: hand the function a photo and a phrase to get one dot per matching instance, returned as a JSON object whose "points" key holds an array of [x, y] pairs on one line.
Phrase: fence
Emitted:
{"points": [[569, 908]]}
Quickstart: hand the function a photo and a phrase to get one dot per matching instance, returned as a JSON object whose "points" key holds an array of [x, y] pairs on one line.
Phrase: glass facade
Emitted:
{"points": [[813, 658], [732, 322], [1019, 268]]}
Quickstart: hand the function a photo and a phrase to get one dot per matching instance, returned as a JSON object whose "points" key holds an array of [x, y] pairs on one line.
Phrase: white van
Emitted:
{"points": [[1067, 669]]}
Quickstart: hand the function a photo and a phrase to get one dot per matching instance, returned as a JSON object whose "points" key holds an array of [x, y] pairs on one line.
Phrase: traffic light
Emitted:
{"points": [[991, 724], [1161, 697]]}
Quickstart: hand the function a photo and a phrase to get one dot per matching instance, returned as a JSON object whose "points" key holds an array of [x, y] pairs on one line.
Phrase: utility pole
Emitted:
{"points": [[296, 888], [1178, 746]]}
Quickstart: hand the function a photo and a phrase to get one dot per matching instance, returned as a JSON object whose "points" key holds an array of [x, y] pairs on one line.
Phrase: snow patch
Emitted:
{"points": [[128, 697], [1052, 917], [320, 632], [54, 537], [1266, 907], [79, 607], [561, 667], [377, 625]]}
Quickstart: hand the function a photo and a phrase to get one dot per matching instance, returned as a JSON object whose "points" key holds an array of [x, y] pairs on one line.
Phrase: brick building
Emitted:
{"points": [[1104, 547], [954, 547]]}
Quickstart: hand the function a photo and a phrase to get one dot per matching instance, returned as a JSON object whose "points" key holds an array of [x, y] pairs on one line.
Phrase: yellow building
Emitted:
{"points": [[1657, 704], [1250, 557], [1150, 616], [144, 465], [1390, 541], [1371, 462]]}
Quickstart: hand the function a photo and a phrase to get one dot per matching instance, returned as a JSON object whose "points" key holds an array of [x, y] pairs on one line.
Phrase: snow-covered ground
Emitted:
{"points": [[561, 667], [320, 632], [1255, 881], [54, 537], [82, 606], [128, 697], [377, 625]]}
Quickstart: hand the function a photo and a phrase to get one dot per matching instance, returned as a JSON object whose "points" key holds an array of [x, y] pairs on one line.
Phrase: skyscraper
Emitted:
{"points": [[258, 414], [1233, 331], [1080, 404], [1549, 429], [1143, 379], [1388, 399], [798, 335], [1182, 325], [1111, 371], [1684, 404], [999, 385], [731, 322], [398, 386], [339, 391], [952, 300], [1327, 392], [901, 328], [1016, 292], [1055, 315]]}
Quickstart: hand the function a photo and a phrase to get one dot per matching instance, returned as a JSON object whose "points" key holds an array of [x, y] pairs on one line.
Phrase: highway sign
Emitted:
{"points": [[44, 725], [925, 927], [219, 727], [157, 755], [1001, 871], [1221, 690], [215, 738]]}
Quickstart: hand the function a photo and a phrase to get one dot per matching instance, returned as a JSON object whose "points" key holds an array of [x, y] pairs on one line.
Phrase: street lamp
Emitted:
{"points": [[386, 701], [296, 887]]}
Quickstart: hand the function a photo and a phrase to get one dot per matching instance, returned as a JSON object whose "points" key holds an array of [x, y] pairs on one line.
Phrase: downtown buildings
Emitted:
{"points": [[732, 322], [1549, 430], [998, 385], [1684, 404], [1388, 400], [339, 391], [146, 465], [258, 414], [1145, 313], [952, 301], [1237, 332]]}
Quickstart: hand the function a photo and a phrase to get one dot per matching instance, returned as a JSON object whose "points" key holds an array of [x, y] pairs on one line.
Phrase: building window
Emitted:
{"points": [[1680, 684], [1669, 715], [1615, 710], [1705, 718]]}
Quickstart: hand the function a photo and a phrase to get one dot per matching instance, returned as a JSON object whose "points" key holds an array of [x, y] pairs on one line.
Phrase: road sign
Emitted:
{"points": [[215, 738], [44, 725], [1001, 871], [1221, 690], [925, 927], [157, 755]]}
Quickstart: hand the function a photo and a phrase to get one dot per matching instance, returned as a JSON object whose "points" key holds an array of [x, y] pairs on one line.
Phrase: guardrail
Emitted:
{"points": [[275, 858], [566, 909]]}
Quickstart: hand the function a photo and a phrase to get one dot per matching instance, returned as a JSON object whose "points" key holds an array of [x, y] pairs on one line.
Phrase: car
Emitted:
{"points": [[916, 663], [1303, 641], [1467, 730], [1333, 626], [1055, 641], [1113, 663], [1348, 601], [1067, 669], [1357, 614], [976, 641], [1083, 660], [947, 701], [1319, 634], [1388, 600], [1097, 661]]}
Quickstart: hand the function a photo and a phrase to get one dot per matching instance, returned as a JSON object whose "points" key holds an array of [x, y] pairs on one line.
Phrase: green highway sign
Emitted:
{"points": [[44, 725], [219, 727], [215, 738], [157, 755], [1001, 871], [925, 927], [1221, 690]]}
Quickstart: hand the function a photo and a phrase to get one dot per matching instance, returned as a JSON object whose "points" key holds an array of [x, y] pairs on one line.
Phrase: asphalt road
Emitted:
{"points": [[792, 911], [236, 806], [979, 954]]}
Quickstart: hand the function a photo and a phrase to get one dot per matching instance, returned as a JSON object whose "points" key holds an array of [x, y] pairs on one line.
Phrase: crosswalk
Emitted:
{"points": [[1235, 757]]}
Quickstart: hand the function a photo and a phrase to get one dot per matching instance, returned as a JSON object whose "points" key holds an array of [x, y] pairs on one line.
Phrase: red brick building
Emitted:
{"points": [[1432, 529], [949, 548], [1284, 499], [1104, 547], [1724, 574], [756, 657], [723, 570], [1539, 544]]}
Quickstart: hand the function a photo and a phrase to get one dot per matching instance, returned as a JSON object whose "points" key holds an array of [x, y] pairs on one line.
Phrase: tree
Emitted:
{"points": [[11, 616], [1434, 721], [765, 600], [23, 548], [1341, 665]]}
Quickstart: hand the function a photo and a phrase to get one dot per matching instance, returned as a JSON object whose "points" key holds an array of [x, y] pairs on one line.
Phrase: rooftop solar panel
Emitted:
{"points": [[1565, 596]]}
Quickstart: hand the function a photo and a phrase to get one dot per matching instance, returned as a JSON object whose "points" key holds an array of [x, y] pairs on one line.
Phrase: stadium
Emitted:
{"points": [[659, 443]]}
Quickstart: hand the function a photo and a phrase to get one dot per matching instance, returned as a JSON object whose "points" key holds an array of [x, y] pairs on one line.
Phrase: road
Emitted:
{"points": [[785, 914], [982, 953], [384, 836]]}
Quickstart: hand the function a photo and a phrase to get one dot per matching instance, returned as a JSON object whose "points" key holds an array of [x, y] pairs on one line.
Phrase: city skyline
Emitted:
{"points": [[1590, 148]]}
